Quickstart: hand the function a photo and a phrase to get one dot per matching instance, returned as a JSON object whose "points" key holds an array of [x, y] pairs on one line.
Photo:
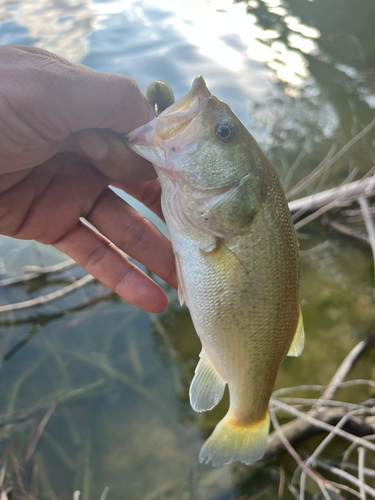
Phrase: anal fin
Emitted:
{"points": [[299, 339], [207, 386]]}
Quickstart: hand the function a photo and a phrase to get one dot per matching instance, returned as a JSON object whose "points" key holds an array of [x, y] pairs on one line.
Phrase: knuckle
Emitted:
{"points": [[94, 259], [123, 279], [151, 195], [134, 235]]}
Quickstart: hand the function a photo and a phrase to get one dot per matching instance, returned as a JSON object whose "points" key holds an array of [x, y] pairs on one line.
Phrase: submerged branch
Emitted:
{"points": [[58, 397], [51, 297], [33, 272]]}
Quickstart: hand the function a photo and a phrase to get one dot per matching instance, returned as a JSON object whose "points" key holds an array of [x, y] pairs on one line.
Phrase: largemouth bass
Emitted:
{"points": [[236, 258]]}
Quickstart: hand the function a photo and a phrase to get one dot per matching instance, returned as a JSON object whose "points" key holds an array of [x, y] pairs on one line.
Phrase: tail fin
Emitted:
{"points": [[232, 441]]}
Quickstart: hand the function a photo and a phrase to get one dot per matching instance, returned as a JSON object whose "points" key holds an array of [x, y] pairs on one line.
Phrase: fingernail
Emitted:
{"points": [[92, 144]]}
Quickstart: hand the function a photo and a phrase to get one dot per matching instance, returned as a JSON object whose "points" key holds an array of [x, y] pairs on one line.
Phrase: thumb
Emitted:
{"points": [[74, 96], [91, 100]]}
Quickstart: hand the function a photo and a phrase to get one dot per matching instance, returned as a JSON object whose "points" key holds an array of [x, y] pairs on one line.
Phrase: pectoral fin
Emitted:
{"points": [[225, 264], [180, 282], [207, 387], [299, 339]]}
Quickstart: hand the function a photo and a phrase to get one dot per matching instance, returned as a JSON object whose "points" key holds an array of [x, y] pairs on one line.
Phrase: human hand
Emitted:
{"points": [[60, 149]]}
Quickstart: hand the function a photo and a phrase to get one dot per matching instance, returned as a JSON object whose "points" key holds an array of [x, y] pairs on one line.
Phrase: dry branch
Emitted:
{"points": [[350, 191], [51, 297], [39, 431], [325, 165], [347, 192], [346, 476], [322, 418], [345, 368], [36, 271], [369, 226], [59, 397], [347, 231]]}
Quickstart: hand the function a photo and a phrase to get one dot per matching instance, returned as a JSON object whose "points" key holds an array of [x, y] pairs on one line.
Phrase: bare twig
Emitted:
{"points": [[321, 388], [44, 481], [349, 191], [322, 483], [317, 248], [318, 213], [34, 486], [280, 492], [60, 452], [369, 226], [327, 164], [17, 470], [348, 477], [86, 471], [344, 487], [4, 491], [36, 271], [312, 459], [352, 447], [345, 367], [320, 423], [319, 170], [295, 165], [303, 210], [107, 368], [39, 431], [58, 397], [347, 231], [105, 493], [51, 297], [361, 475], [366, 471]]}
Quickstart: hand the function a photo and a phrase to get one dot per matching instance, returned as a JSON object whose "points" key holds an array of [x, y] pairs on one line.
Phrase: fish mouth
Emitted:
{"points": [[190, 104], [169, 132]]}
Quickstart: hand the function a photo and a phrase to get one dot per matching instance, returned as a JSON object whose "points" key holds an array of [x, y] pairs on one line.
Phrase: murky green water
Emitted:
{"points": [[300, 75]]}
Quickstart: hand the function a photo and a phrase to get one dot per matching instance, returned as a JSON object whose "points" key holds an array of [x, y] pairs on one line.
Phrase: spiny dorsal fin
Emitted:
{"points": [[207, 387], [299, 339]]}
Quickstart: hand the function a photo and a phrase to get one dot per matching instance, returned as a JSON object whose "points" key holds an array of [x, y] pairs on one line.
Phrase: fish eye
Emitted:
{"points": [[225, 131]]}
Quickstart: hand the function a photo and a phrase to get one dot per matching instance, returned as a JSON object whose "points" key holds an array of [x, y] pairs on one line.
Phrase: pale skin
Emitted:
{"points": [[61, 146]]}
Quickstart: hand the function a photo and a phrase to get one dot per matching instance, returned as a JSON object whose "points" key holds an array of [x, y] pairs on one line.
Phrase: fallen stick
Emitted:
{"points": [[344, 369], [299, 430], [327, 164], [352, 191], [39, 431], [320, 419], [363, 203], [51, 297], [36, 271], [58, 397], [346, 476], [345, 230]]}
